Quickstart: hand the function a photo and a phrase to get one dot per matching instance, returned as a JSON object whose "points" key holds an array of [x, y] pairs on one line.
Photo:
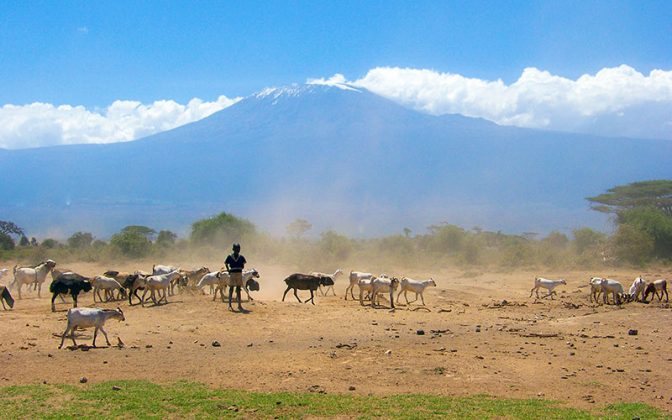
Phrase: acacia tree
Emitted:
{"points": [[655, 193], [7, 229]]}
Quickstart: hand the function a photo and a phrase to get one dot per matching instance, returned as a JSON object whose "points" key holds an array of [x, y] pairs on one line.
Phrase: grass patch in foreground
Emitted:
{"points": [[140, 399]]}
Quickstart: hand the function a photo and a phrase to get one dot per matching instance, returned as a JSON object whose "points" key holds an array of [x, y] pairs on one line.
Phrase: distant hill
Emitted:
{"points": [[340, 157]]}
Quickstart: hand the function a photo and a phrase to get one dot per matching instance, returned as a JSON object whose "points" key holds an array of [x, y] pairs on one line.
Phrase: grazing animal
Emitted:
{"points": [[595, 288], [32, 276], [132, 283], [298, 281], [158, 283], [613, 287], [193, 276], [158, 269], [3, 272], [636, 291], [334, 276], [5, 296], [548, 284], [108, 284], [355, 277], [383, 285], [70, 283], [364, 286], [656, 287], [87, 318], [416, 286], [223, 281]]}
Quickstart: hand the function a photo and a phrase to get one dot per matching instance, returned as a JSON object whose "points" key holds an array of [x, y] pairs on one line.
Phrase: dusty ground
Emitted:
{"points": [[565, 349]]}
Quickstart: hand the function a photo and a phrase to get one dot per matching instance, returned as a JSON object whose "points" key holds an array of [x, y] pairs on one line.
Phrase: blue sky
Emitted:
{"points": [[91, 53], [108, 68]]}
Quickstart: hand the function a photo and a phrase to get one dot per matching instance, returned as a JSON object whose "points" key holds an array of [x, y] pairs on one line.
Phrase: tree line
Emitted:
{"points": [[641, 211]]}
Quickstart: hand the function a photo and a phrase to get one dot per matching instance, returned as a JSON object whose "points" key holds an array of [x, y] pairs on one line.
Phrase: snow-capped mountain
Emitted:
{"points": [[338, 156]]}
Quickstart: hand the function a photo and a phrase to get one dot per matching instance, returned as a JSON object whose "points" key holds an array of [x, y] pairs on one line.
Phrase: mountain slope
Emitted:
{"points": [[342, 158]]}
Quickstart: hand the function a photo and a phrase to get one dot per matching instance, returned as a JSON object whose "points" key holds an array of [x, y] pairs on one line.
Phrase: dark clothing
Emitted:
{"points": [[235, 265]]}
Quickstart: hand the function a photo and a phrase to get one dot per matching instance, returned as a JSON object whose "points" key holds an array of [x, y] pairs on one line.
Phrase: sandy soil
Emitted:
{"points": [[566, 349]]}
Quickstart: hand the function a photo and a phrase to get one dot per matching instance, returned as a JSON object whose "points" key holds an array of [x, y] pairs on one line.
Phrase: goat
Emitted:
{"points": [[5, 296], [364, 285], [298, 281], [355, 277], [595, 288], [132, 283], [613, 287], [548, 284], [158, 269], [248, 283], [32, 275], [87, 318], [636, 291], [157, 283], [383, 285], [191, 277], [334, 276], [416, 286], [109, 285], [658, 286], [71, 283], [3, 271]]}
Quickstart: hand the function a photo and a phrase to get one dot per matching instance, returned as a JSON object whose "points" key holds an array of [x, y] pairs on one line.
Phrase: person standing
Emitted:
{"points": [[234, 264]]}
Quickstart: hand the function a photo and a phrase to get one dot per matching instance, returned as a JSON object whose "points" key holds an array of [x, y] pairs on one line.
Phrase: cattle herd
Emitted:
{"points": [[165, 281]]}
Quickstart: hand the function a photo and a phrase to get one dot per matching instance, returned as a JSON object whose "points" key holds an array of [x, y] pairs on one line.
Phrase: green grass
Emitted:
{"points": [[140, 399]]}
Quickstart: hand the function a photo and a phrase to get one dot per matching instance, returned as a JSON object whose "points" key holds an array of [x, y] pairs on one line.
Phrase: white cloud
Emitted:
{"points": [[41, 124], [614, 101]]}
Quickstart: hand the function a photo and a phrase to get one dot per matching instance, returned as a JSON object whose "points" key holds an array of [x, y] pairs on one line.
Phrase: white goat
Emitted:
{"points": [[613, 287], [158, 283], [416, 286], [109, 285], [87, 318], [224, 282], [636, 291], [383, 285], [355, 277], [3, 271], [209, 279], [364, 286], [337, 273], [158, 269], [32, 275], [595, 288], [548, 284]]}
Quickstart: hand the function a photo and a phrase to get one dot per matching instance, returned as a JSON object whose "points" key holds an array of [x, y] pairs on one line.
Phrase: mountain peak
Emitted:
{"points": [[295, 90]]}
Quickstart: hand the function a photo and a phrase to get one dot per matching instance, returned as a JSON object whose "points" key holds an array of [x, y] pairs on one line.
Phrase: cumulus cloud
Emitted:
{"points": [[614, 101], [42, 124]]}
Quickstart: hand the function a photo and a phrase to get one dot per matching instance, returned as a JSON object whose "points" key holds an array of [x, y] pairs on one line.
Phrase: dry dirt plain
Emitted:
{"points": [[566, 349]]}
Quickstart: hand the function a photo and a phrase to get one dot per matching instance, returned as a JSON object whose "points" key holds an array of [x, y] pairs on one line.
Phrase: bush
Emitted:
{"points": [[80, 240], [655, 223], [632, 245], [221, 230], [586, 239], [6, 242], [131, 244]]}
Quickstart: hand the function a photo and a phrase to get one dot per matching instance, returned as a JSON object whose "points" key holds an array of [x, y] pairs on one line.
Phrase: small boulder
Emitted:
{"points": [[420, 332], [216, 343], [83, 380], [633, 332]]}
